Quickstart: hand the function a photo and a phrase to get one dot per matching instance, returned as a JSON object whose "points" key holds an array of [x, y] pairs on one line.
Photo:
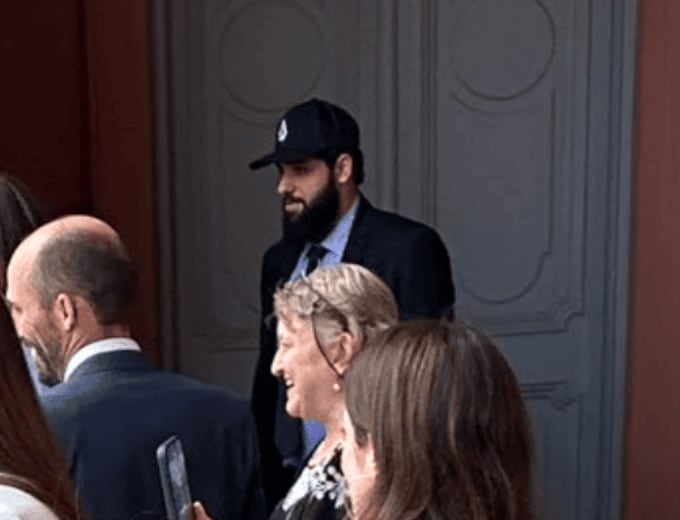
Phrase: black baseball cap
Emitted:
{"points": [[309, 128]]}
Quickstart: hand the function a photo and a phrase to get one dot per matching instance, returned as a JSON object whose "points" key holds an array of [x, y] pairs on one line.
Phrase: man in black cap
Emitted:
{"points": [[327, 220]]}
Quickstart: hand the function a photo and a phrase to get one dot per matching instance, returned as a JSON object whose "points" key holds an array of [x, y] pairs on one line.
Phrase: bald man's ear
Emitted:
{"points": [[66, 311]]}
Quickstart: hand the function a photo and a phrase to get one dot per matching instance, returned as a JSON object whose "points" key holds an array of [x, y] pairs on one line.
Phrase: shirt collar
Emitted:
{"points": [[102, 346], [336, 240]]}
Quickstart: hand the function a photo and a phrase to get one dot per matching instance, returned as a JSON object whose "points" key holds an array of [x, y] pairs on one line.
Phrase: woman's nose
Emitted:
{"points": [[276, 364]]}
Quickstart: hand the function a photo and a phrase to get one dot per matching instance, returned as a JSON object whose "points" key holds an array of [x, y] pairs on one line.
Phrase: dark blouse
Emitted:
{"points": [[318, 493]]}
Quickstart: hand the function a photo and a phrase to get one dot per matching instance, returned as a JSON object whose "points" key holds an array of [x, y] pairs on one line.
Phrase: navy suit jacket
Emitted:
{"points": [[409, 256], [115, 410]]}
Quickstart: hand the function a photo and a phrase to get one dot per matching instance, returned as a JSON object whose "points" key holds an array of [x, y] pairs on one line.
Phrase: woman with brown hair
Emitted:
{"points": [[34, 481], [20, 214], [436, 428]]}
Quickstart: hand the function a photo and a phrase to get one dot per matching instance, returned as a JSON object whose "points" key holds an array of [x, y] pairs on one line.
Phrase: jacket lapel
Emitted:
{"points": [[356, 243]]}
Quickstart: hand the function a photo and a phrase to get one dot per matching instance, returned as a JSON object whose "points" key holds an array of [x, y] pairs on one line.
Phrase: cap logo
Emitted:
{"points": [[283, 131]]}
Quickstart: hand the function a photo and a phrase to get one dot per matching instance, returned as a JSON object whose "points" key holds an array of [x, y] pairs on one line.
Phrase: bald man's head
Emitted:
{"points": [[69, 283], [79, 255]]}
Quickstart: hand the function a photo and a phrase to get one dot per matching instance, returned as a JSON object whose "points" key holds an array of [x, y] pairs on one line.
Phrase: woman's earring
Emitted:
{"points": [[336, 386]]}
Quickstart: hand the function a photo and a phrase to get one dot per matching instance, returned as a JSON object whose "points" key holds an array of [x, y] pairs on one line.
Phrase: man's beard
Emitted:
{"points": [[316, 219], [44, 363]]}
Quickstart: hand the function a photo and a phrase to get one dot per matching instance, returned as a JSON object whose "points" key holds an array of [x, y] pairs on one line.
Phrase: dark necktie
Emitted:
{"points": [[314, 255]]}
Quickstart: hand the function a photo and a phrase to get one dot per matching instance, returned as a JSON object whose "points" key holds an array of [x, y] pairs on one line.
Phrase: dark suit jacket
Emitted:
{"points": [[409, 256], [115, 410]]}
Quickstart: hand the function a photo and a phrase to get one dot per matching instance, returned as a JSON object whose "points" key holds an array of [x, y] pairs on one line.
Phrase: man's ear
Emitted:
{"points": [[66, 311], [342, 171], [346, 350]]}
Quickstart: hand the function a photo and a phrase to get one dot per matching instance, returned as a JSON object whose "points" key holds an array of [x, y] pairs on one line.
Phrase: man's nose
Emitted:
{"points": [[284, 186]]}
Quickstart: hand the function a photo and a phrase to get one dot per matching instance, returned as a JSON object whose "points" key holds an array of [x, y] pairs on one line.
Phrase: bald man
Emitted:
{"points": [[70, 285]]}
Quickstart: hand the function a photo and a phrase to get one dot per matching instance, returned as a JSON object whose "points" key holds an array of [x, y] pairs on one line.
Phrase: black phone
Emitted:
{"points": [[174, 480]]}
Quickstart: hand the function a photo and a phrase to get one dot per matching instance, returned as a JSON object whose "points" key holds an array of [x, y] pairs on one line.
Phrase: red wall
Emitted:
{"points": [[120, 138], [75, 120], [652, 484], [43, 131]]}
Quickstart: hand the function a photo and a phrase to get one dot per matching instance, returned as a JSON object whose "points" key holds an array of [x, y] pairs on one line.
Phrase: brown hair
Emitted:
{"points": [[447, 421], [21, 214], [29, 457]]}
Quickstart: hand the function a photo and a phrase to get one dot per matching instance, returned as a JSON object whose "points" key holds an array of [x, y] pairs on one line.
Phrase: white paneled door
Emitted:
{"points": [[503, 123]]}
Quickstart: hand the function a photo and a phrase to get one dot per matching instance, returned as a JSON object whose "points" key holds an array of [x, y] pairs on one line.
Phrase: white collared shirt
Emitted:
{"points": [[16, 504], [103, 346]]}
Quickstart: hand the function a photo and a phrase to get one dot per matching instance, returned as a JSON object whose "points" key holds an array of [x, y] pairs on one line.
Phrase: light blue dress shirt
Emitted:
{"points": [[335, 243]]}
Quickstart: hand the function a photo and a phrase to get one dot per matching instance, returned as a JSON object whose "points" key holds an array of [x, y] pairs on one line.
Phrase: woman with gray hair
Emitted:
{"points": [[323, 322]]}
